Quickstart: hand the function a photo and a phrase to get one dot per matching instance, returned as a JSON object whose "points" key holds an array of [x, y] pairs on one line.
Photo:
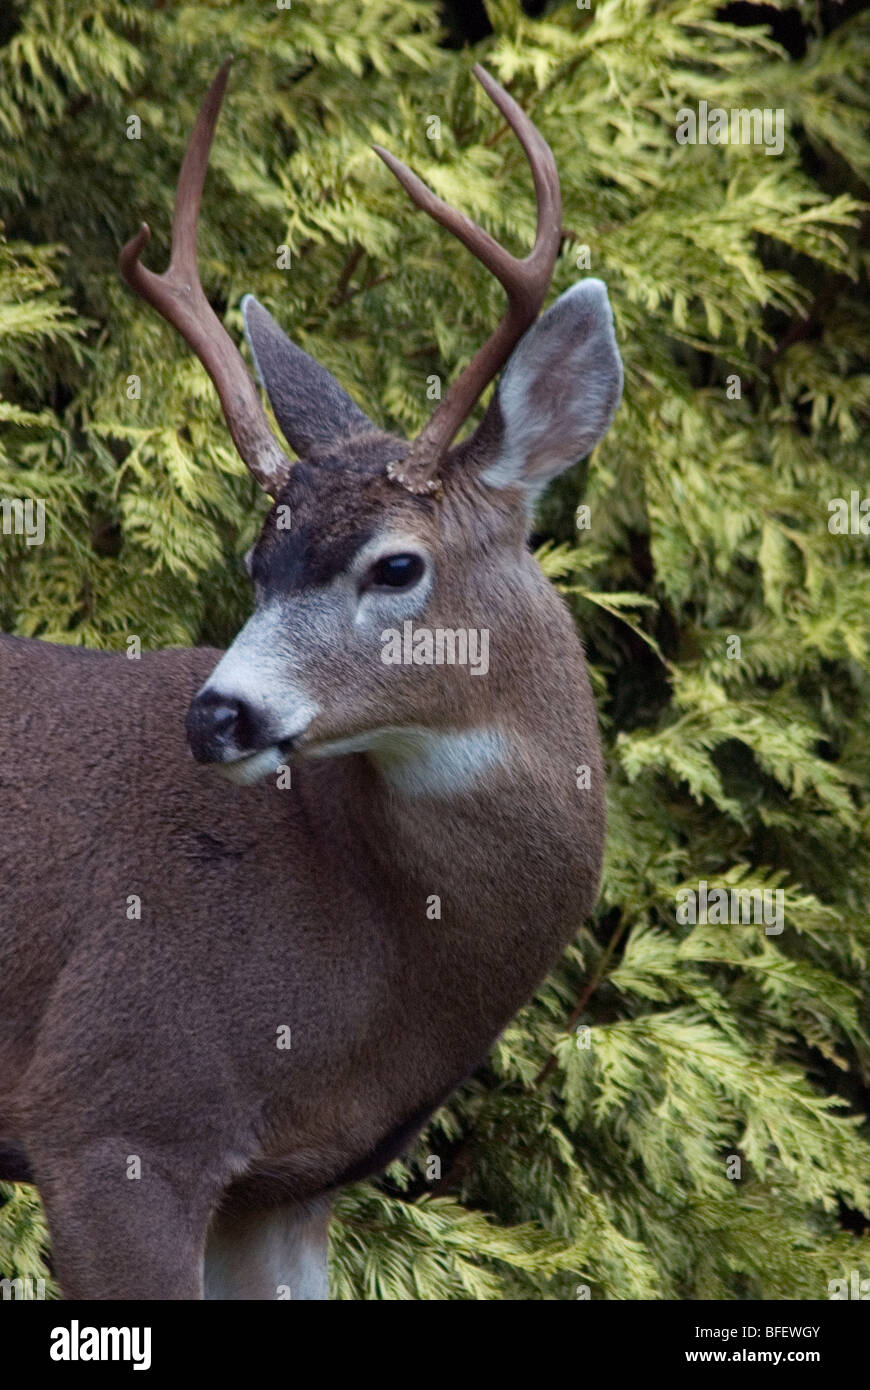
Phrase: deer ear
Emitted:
{"points": [[557, 394], [310, 406]]}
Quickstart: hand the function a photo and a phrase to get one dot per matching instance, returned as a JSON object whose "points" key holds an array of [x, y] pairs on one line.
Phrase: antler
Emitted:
{"points": [[526, 282], [178, 296]]}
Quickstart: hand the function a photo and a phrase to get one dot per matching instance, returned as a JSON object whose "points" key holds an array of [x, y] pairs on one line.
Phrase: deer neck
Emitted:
{"points": [[489, 836]]}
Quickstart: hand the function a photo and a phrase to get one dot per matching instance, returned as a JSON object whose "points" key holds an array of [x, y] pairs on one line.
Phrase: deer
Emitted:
{"points": [[316, 962]]}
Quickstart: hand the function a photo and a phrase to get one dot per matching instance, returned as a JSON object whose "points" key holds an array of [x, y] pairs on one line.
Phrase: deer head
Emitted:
{"points": [[382, 532]]}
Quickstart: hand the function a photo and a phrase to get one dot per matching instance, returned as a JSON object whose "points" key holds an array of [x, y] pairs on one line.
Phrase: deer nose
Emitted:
{"points": [[219, 724]]}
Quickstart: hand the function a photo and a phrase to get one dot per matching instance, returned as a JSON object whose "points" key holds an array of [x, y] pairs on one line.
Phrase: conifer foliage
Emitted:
{"points": [[680, 1111]]}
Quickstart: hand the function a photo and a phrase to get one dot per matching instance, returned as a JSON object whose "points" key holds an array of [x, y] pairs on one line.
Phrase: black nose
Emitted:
{"points": [[217, 725]]}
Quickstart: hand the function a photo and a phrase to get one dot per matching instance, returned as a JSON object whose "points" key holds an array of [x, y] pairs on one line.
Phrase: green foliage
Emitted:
{"points": [[23, 1239], [564, 1165]]}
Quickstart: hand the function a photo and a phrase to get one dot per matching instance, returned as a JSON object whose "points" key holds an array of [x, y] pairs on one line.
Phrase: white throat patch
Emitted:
{"points": [[426, 762]]}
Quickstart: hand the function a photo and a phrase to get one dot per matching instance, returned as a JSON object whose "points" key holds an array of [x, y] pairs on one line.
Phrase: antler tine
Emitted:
{"points": [[178, 296], [525, 281]]}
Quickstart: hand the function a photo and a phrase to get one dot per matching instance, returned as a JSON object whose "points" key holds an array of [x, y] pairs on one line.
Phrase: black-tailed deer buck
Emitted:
{"points": [[314, 967]]}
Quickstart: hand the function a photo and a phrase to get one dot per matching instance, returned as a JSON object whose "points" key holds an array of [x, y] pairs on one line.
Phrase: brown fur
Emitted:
{"points": [[153, 1041], [263, 907]]}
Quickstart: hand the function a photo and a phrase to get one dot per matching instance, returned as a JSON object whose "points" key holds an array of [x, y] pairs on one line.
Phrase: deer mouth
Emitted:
{"points": [[252, 767]]}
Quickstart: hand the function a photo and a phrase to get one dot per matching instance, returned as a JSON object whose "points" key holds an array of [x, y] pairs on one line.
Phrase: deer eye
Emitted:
{"points": [[395, 572]]}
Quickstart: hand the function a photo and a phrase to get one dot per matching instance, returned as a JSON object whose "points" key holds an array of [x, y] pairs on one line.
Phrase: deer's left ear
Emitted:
{"points": [[557, 394]]}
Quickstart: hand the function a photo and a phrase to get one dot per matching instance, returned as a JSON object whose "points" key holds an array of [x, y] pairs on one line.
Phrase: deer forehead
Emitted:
{"points": [[332, 515], [324, 516]]}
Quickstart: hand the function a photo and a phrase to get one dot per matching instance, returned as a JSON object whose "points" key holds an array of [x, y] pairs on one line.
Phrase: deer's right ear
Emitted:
{"points": [[310, 406], [557, 395]]}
